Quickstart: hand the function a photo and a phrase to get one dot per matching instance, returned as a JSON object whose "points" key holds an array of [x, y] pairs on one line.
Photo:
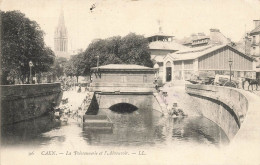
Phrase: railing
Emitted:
{"points": [[102, 84], [122, 87]]}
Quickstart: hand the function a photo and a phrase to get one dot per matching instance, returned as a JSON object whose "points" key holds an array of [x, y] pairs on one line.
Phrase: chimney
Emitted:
{"points": [[214, 30], [257, 23], [201, 34]]}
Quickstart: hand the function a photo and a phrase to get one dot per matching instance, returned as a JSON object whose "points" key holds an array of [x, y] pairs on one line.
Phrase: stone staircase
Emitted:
{"points": [[97, 122]]}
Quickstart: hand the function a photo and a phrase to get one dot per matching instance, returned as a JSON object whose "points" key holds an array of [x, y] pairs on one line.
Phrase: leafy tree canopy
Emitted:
{"points": [[131, 49], [22, 41], [59, 66], [75, 66]]}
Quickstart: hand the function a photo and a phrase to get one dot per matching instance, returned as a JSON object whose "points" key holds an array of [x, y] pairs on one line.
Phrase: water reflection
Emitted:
{"points": [[143, 127], [29, 132], [197, 129]]}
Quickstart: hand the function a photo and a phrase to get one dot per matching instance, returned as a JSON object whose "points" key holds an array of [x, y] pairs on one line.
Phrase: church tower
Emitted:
{"points": [[61, 38]]}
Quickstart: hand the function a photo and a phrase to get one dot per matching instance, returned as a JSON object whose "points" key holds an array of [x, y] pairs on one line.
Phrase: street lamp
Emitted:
{"points": [[230, 65], [30, 65], [97, 62]]}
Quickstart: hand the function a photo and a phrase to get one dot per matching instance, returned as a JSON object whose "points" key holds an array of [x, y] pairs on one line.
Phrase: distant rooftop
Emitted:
{"points": [[165, 45], [160, 34], [194, 53], [215, 37], [122, 67], [256, 30]]}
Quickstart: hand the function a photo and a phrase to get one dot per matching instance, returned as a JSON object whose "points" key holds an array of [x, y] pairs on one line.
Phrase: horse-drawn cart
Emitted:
{"points": [[224, 80], [202, 79], [221, 80]]}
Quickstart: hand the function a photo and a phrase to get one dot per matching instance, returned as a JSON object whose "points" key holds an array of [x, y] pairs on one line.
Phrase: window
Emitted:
{"points": [[254, 51], [254, 39]]}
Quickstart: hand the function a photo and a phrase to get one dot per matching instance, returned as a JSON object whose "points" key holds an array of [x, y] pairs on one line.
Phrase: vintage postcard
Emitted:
{"points": [[147, 82]]}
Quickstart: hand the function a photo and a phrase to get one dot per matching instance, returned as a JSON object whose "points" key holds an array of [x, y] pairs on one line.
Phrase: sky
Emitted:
{"points": [[179, 18]]}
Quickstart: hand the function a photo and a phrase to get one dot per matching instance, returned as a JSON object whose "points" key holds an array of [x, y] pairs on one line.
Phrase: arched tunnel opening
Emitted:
{"points": [[123, 108]]}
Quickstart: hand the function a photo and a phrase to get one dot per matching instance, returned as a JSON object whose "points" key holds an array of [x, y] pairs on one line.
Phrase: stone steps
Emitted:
{"points": [[97, 122]]}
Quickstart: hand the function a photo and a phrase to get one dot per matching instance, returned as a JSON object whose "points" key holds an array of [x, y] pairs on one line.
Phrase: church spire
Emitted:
{"points": [[61, 37], [61, 19]]}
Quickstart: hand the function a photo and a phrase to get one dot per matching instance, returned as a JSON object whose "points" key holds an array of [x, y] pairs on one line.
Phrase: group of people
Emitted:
{"points": [[62, 112], [174, 111]]}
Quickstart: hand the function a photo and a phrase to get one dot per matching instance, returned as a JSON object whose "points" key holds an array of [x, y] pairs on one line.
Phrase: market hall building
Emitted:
{"points": [[212, 59], [160, 45]]}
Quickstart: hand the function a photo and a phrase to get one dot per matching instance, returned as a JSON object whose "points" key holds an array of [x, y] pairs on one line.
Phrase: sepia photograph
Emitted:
{"points": [[130, 82]]}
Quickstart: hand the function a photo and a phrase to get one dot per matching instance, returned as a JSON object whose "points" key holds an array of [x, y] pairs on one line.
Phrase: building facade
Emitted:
{"points": [[212, 59], [160, 45], [200, 39], [122, 78], [255, 41], [61, 38]]}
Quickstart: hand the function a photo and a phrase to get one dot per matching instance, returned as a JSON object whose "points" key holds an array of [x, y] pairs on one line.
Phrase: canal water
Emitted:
{"points": [[143, 127]]}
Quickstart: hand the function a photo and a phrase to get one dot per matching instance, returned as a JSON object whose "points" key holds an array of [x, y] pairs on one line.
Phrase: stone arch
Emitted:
{"points": [[168, 64], [139, 101], [123, 107]]}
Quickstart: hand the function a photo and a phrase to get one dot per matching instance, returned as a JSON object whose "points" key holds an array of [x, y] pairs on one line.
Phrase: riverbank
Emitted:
{"points": [[170, 94], [75, 99], [144, 135]]}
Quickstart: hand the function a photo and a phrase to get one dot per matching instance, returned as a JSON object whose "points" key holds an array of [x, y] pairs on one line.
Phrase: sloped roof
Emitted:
{"points": [[186, 40], [158, 58], [218, 37], [165, 45], [215, 37], [196, 53], [256, 30], [194, 49], [160, 34], [122, 67], [200, 38]]}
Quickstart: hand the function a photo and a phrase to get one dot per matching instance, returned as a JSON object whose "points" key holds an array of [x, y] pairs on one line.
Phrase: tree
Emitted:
{"points": [[22, 41], [131, 49], [58, 68], [75, 66]]}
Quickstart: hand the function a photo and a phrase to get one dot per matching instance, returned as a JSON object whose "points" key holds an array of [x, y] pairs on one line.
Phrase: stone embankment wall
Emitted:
{"points": [[22, 102], [225, 106]]}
